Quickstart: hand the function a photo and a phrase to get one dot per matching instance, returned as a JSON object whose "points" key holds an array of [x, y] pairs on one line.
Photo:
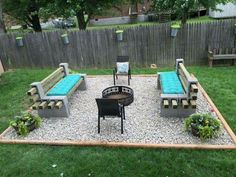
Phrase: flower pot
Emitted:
{"points": [[119, 35], [19, 41], [174, 30], [194, 131], [30, 127], [65, 38]]}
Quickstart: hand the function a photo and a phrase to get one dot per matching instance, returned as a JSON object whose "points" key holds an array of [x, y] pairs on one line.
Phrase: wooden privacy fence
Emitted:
{"points": [[98, 48]]}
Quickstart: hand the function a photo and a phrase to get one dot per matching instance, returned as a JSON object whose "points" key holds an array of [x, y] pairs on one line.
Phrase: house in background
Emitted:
{"points": [[228, 10], [123, 14]]}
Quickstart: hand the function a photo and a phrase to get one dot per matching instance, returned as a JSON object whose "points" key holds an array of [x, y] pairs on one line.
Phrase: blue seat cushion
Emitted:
{"points": [[170, 83], [63, 87]]}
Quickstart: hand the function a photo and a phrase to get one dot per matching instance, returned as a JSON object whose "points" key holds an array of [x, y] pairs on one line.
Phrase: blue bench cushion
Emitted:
{"points": [[170, 83], [64, 85]]}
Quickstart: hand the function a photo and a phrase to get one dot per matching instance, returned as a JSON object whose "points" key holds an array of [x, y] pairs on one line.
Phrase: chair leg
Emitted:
{"points": [[128, 80], [122, 130], [98, 124], [123, 112], [114, 79]]}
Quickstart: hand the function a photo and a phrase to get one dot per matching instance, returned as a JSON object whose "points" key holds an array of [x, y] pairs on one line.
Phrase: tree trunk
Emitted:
{"points": [[36, 23], [2, 24], [81, 21], [184, 16]]}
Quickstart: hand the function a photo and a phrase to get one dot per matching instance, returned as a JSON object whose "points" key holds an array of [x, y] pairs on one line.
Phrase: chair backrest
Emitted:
{"points": [[108, 106], [122, 59]]}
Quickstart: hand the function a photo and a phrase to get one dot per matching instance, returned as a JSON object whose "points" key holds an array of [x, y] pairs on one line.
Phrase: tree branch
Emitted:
{"points": [[117, 8]]}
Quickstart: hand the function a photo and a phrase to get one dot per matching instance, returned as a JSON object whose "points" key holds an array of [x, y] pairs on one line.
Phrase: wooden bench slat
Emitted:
{"points": [[186, 73], [193, 104], [193, 95], [75, 87], [53, 82], [194, 88], [223, 57], [34, 98], [51, 104], [166, 103], [174, 104], [32, 91], [43, 105], [59, 104], [185, 104], [57, 71], [35, 106]]}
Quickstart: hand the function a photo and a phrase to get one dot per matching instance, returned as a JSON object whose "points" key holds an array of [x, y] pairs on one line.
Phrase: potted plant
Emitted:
{"points": [[65, 38], [174, 29], [19, 41], [25, 123], [119, 34], [202, 125]]}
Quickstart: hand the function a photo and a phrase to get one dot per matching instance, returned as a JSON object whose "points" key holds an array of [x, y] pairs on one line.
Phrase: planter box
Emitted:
{"points": [[19, 41], [65, 38]]}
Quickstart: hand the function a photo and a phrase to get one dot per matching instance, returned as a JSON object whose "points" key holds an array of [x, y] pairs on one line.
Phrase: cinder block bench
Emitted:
{"points": [[227, 54], [178, 91], [51, 95]]}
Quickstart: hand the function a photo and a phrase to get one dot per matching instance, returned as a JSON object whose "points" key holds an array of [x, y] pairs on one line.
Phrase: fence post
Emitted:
{"points": [[1, 67]]}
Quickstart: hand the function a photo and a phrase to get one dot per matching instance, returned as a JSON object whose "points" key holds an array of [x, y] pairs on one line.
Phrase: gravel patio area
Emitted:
{"points": [[143, 122]]}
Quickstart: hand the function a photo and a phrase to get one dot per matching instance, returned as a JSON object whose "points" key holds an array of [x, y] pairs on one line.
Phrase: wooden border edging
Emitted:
{"points": [[133, 145], [223, 121], [117, 144]]}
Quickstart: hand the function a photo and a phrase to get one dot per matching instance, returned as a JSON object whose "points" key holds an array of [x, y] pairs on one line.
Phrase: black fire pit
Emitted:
{"points": [[125, 95]]}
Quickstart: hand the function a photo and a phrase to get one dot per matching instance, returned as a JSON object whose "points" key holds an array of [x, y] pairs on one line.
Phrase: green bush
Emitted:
{"points": [[25, 123], [202, 125]]}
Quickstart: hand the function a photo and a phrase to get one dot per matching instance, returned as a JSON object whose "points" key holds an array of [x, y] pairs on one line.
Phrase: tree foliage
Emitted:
{"points": [[2, 25], [82, 9], [182, 7], [26, 11]]}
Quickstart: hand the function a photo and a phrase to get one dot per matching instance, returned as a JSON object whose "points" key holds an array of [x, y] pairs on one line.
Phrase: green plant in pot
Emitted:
{"points": [[25, 123], [65, 38], [119, 34], [19, 41], [174, 29], [202, 125]]}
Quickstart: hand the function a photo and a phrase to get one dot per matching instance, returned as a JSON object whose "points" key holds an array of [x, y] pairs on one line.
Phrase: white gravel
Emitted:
{"points": [[143, 122]]}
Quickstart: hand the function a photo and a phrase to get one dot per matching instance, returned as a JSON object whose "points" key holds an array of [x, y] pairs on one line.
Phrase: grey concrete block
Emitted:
{"points": [[65, 67], [39, 88], [179, 112], [83, 85]]}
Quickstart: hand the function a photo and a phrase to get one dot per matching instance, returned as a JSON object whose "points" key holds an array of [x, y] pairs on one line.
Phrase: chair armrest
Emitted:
{"points": [[210, 55]]}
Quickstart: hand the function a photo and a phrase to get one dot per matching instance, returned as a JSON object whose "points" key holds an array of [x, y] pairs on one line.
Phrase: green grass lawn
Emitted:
{"points": [[37, 160]]}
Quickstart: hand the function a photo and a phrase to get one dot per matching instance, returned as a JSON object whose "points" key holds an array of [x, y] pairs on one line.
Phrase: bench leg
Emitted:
{"points": [[210, 62], [233, 62]]}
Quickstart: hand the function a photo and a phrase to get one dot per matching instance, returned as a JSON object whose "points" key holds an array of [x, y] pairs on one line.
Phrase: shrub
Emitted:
{"points": [[25, 123], [202, 125]]}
